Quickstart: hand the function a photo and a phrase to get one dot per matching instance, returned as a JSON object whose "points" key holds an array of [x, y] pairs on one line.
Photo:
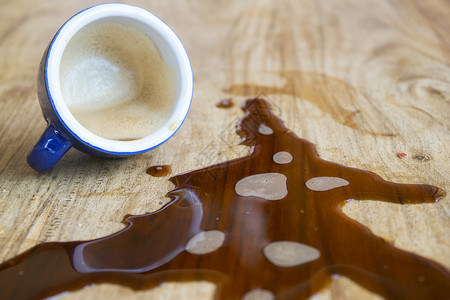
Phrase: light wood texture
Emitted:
{"points": [[362, 79]]}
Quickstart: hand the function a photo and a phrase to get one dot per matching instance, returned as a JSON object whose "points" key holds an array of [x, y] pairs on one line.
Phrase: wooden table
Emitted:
{"points": [[364, 80]]}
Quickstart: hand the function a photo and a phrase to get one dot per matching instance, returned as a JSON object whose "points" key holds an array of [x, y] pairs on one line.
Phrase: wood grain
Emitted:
{"points": [[363, 80]]}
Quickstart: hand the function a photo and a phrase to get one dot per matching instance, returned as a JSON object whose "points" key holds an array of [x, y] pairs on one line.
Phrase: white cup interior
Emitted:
{"points": [[171, 49]]}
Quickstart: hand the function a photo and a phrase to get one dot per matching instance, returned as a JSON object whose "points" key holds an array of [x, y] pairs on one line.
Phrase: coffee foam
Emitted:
{"points": [[115, 81]]}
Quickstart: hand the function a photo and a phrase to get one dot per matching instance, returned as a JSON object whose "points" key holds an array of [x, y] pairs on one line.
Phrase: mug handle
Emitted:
{"points": [[49, 149]]}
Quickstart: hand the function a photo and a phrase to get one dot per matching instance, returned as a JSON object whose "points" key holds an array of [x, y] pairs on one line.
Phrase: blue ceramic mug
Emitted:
{"points": [[59, 91]]}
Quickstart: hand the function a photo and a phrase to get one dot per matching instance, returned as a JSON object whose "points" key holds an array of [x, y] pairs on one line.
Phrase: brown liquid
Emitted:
{"points": [[329, 94], [401, 154], [151, 249], [159, 171], [225, 103]]}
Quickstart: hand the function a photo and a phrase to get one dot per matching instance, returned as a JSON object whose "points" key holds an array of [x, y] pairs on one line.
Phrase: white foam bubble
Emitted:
{"points": [[264, 129], [290, 254], [325, 183], [205, 242], [270, 186], [259, 294], [282, 157]]}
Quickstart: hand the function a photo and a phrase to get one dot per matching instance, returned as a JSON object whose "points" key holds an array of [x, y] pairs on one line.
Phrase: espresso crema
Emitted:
{"points": [[115, 81]]}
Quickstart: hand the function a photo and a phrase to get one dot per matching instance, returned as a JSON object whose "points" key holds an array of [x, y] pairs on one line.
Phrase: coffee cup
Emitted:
{"points": [[114, 81]]}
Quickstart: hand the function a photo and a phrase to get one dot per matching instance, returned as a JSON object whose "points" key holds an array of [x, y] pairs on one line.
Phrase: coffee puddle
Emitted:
{"points": [[265, 225]]}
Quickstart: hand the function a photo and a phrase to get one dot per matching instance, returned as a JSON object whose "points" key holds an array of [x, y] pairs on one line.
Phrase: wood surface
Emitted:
{"points": [[362, 79]]}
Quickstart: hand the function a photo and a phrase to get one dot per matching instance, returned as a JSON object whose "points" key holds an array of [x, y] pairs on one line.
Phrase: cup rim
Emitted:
{"points": [[52, 81]]}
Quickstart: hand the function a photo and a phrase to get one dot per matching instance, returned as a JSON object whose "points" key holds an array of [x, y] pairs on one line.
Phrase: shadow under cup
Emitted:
{"points": [[115, 81]]}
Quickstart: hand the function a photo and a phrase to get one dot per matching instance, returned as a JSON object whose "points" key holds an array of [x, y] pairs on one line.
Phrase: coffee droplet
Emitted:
{"points": [[270, 186], [205, 242], [159, 171], [225, 103], [325, 183]]}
